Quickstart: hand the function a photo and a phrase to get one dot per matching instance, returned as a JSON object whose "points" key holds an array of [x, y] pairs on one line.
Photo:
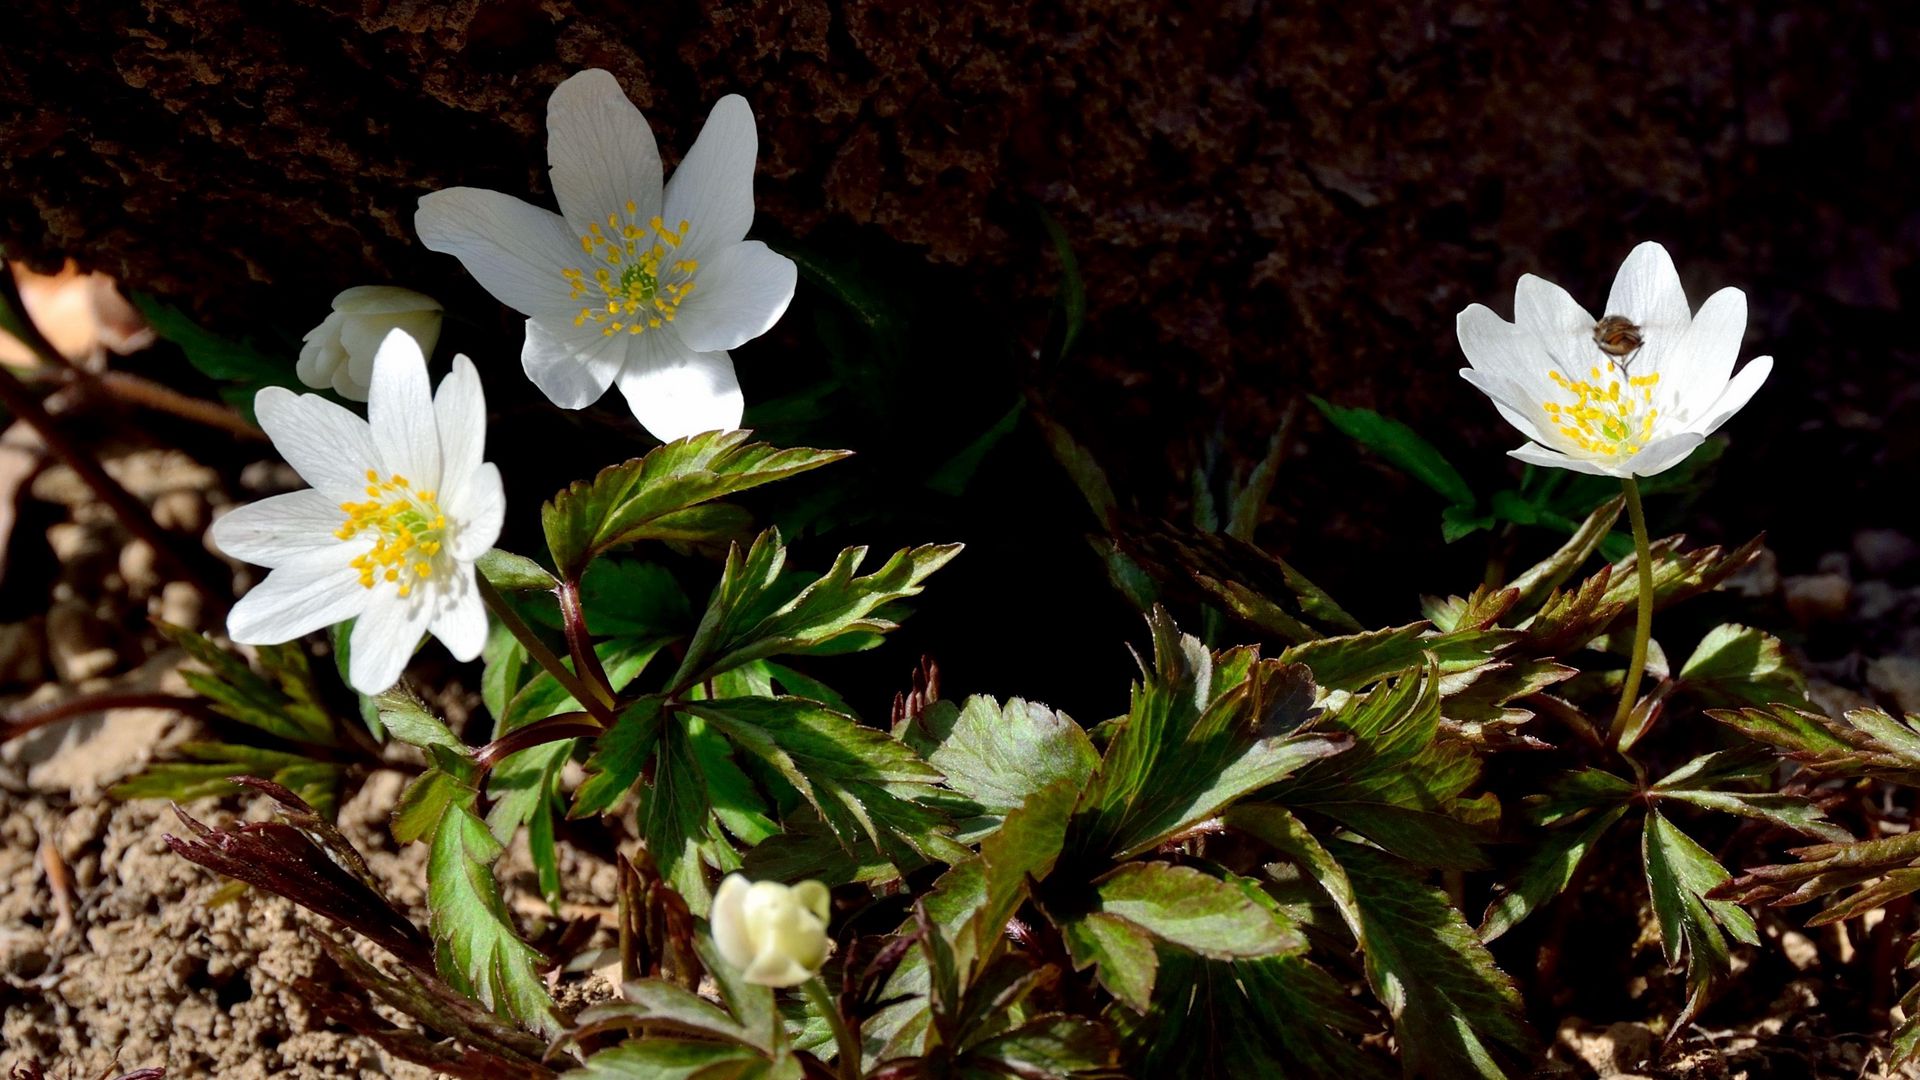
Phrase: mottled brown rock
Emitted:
{"points": [[1265, 197]]}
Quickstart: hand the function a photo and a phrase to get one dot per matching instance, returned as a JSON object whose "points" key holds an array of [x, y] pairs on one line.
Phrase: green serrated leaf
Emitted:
{"points": [[1541, 579], [637, 500], [514, 573], [672, 1059], [1693, 929], [1547, 874], [752, 615], [1121, 953], [282, 702], [1402, 783], [1195, 911], [998, 755], [476, 947], [1737, 665], [618, 758], [1455, 1013]]}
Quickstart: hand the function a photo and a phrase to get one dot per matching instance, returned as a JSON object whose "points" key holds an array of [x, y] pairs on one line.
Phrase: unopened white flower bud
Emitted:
{"points": [[338, 353], [774, 934]]}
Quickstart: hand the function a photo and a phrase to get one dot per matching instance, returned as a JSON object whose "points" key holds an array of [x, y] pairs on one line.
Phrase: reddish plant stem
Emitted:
{"points": [[192, 568], [571, 725], [542, 655], [21, 723], [580, 642], [149, 394]]}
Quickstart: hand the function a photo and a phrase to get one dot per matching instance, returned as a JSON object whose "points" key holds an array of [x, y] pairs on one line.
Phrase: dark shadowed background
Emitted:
{"points": [[1265, 200]]}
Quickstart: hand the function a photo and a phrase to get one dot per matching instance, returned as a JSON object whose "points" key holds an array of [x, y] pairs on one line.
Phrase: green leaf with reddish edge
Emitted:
{"points": [[1278, 1016], [1737, 665], [1121, 953], [1726, 781], [650, 497], [1352, 661], [1546, 874], [674, 1059], [753, 615], [618, 758], [476, 947], [1540, 580], [1455, 1013], [1693, 929], [1201, 732], [999, 755], [1195, 911], [1403, 781]]}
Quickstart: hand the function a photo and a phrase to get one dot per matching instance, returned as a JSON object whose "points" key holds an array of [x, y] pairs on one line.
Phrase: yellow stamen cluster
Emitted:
{"points": [[626, 287], [1609, 421], [408, 529]]}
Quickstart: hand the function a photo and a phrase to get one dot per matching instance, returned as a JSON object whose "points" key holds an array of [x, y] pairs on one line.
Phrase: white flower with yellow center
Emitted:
{"points": [[401, 506], [774, 934], [339, 352], [1631, 393], [632, 282]]}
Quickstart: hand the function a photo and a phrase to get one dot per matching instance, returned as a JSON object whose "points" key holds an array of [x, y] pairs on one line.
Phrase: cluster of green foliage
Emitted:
{"points": [[1259, 868]]}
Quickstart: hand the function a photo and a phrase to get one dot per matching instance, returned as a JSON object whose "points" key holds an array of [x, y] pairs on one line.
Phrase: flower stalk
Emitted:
{"points": [[1643, 626], [600, 710], [848, 1047]]}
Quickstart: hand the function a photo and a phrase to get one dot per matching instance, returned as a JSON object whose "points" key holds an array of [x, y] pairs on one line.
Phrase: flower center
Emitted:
{"points": [[407, 526], [626, 289], [1606, 421]]}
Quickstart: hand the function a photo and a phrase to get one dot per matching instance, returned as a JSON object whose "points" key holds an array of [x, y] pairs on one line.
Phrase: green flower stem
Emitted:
{"points": [[1643, 628], [542, 655], [849, 1047]]}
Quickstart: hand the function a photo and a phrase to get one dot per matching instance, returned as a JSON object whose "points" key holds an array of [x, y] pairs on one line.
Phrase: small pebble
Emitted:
{"points": [[1817, 598], [1884, 552], [1898, 679]]}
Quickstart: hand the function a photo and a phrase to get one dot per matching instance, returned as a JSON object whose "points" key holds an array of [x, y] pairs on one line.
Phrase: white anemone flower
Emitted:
{"points": [[401, 506], [773, 934], [1631, 393], [631, 283], [339, 352]]}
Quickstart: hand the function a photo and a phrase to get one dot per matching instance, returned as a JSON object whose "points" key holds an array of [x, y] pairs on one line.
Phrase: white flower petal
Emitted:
{"points": [[515, 250], [738, 294], [384, 639], [461, 620], [1558, 325], [572, 365], [460, 418], [478, 515], [727, 921], [279, 528], [601, 152], [1647, 290], [321, 355], [1534, 454], [713, 187], [325, 443], [674, 391], [1497, 347], [1739, 391], [1662, 454], [1510, 401], [1704, 362], [306, 593], [400, 411], [382, 300]]}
